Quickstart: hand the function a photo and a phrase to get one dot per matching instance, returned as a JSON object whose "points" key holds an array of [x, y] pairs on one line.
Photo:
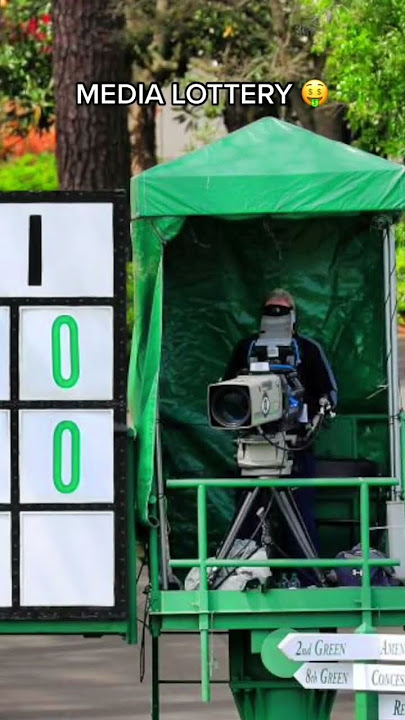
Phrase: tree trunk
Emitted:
{"points": [[142, 119], [92, 140], [237, 115], [331, 122], [328, 120], [142, 137]]}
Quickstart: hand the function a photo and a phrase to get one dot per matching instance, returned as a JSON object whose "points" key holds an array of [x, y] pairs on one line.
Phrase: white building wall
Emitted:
{"points": [[172, 138]]}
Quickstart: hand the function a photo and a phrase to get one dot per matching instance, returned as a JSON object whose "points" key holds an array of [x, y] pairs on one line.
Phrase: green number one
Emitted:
{"points": [[71, 427], [65, 382]]}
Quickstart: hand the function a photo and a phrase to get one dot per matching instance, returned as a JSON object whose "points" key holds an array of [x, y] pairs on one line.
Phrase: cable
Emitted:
{"points": [[297, 353], [142, 653], [141, 570], [313, 437]]}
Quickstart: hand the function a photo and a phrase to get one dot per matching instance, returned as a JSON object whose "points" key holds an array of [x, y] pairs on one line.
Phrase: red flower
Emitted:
{"points": [[32, 26]]}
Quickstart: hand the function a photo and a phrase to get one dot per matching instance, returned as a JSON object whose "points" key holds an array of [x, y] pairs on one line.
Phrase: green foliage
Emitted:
{"points": [[400, 238], [237, 32], [365, 45], [26, 59], [29, 173], [254, 42]]}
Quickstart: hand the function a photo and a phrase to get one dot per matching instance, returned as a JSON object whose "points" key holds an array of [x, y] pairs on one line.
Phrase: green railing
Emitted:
{"points": [[203, 563]]}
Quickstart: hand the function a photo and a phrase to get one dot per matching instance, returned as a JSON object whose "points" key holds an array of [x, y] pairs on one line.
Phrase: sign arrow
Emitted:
{"points": [[391, 707], [307, 647], [328, 676], [343, 676]]}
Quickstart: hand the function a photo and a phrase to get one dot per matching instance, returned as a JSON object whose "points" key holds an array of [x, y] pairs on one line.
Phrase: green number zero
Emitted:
{"points": [[72, 485], [71, 324]]}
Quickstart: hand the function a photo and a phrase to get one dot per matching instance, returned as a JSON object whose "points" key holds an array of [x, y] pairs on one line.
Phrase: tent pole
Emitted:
{"points": [[395, 507], [161, 506], [392, 353], [388, 344], [169, 579], [395, 362]]}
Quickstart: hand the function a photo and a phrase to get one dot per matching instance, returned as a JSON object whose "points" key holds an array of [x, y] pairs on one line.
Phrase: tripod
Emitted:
{"points": [[291, 514]]}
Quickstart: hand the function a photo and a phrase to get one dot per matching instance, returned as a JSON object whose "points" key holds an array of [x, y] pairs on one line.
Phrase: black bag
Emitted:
{"points": [[379, 576]]}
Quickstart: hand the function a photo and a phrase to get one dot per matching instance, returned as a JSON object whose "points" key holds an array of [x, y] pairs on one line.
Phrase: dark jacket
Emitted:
{"points": [[313, 370]]}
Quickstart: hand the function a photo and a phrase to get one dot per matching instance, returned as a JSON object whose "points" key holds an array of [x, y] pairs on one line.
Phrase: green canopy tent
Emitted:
{"points": [[272, 167], [269, 205]]}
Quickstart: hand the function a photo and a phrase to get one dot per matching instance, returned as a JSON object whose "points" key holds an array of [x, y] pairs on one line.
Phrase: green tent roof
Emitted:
{"points": [[270, 166]]}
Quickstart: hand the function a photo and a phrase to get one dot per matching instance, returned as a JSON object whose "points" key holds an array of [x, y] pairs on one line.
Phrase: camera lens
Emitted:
{"points": [[231, 407]]}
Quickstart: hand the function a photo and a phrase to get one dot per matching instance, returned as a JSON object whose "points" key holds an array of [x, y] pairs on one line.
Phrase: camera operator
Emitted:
{"points": [[317, 378]]}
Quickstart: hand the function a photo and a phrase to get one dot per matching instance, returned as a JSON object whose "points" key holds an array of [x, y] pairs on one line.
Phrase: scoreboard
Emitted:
{"points": [[63, 406]]}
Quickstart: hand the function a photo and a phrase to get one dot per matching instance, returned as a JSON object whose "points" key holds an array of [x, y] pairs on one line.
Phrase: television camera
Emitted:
{"points": [[265, 405]]}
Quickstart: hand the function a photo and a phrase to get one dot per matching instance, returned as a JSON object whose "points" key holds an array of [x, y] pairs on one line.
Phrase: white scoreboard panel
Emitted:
{"points": [[63, 406]]}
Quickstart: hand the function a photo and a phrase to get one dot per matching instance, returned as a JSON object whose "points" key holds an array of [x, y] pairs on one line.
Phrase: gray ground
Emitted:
{"points": [[84, 679], [81, 679]]}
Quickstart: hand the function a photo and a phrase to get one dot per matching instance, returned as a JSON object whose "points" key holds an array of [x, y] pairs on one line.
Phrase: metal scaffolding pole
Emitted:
{"points": [[390, 292]]}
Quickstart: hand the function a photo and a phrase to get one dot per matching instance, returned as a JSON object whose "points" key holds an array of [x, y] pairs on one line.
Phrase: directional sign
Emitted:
{"points": [[328, 676], [306, 647], [343, 676], [62, 396], [391, 707]]}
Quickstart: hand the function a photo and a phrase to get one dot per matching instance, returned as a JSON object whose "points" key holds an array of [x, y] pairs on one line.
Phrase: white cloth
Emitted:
{"points": [[240, 576]]}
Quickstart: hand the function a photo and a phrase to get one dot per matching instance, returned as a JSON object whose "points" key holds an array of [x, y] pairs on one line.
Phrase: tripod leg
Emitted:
{"points": [[233, 532], [237, 524], [296, 529], [294, 524], [291, 500]]}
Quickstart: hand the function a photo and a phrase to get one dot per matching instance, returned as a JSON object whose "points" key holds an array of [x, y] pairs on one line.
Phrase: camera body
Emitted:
{"points": [[264, 405], [270, 393]]}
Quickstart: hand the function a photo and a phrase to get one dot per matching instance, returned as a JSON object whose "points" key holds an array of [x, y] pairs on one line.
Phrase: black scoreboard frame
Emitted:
{"points": [[119, 612]]}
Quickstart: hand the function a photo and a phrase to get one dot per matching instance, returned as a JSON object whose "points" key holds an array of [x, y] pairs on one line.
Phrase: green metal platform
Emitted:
{"points": [[257, 620]]}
